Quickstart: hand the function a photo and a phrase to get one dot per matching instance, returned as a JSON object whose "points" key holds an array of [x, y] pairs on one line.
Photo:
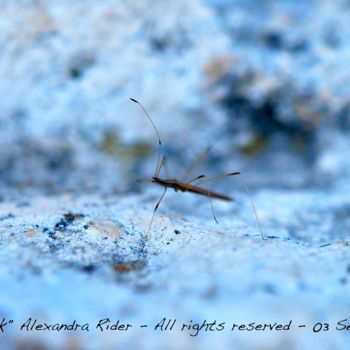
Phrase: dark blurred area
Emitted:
{"points": [[263, 82]]}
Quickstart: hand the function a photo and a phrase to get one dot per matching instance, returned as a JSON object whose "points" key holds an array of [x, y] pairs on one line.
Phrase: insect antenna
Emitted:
{"points": [[156, 130]]}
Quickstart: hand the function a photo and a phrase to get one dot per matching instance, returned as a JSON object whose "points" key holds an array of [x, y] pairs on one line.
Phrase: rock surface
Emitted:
{"points": [[86, 258]]}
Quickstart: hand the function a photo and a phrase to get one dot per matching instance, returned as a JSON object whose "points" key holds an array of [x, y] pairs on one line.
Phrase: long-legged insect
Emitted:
{"points": [[188, 186]]}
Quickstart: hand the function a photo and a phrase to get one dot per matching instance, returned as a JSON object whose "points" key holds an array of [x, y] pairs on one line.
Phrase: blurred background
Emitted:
{"points": [[263, 82]]}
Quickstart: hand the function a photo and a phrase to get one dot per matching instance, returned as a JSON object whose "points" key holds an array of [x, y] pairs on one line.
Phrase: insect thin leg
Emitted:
{"points": [[162, 163], [211, 203], [196, 163], [253, 206], [218, 177], [166, 168], [196, 178], [154, 211]]}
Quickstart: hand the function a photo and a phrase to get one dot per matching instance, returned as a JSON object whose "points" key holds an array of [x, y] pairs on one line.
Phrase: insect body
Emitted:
{"points": [[178, 185], [189, 186]]}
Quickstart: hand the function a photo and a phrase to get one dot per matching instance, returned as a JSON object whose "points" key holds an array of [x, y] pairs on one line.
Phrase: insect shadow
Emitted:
{"points": [[193, 185]]}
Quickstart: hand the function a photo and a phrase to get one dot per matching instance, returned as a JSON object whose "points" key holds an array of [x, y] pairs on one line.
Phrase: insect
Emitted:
{"points": [[192, 185]]}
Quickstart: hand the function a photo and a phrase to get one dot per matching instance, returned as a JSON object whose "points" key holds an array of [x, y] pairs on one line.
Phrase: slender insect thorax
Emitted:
{"points": [[156, 179]]}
